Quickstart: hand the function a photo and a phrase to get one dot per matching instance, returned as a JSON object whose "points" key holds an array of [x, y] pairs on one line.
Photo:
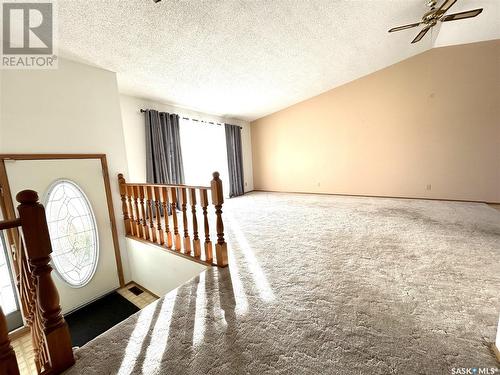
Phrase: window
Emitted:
{"points": [[203, 152], [73, 233]]}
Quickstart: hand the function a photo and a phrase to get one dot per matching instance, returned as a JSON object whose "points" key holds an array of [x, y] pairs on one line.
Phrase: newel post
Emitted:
{"points": [[37, 251], [8, 362], [123, 193], [217, 201]]}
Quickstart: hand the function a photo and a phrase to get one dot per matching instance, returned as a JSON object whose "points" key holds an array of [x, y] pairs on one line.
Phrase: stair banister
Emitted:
{"points": [[164, 226]]}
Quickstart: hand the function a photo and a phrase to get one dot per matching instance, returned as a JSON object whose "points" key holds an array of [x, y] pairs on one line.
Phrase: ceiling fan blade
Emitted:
{"points": [[462, 15], [421, 34], [447, 4], [404, 27]]}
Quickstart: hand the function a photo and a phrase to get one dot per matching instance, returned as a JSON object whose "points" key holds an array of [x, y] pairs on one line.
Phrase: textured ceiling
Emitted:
{"points": [[246, 59]]}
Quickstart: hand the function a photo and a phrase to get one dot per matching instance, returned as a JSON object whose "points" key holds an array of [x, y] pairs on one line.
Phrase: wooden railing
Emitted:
{"points": [[153, 213], [38, 294]]}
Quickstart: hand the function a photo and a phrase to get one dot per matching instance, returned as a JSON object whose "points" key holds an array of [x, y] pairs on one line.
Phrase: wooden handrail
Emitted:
{"points": [[166, 185], [9, 224], [150, 214]]}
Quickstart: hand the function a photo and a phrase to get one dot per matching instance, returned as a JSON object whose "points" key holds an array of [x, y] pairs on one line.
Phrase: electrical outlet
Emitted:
{"points": [[246, 183], [428, 187]]}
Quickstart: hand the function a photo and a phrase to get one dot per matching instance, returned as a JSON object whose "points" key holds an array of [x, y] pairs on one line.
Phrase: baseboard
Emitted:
{"points": [[376, 196], [104, 294]]}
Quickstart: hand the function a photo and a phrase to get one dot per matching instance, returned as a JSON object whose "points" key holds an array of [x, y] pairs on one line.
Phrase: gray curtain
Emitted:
{"points": [[234, 160], [163, 148]]}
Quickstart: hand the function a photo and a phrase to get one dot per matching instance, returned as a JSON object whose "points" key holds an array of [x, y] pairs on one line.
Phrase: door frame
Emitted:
{"points": [[14, 319], [8, 208]]}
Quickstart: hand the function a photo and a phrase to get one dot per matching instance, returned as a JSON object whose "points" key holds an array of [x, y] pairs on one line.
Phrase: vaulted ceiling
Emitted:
{"points": [[249, 58]]}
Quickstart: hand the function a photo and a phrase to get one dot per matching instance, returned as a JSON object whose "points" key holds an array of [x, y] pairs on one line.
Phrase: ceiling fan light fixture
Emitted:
{"points": [[430, 18]]}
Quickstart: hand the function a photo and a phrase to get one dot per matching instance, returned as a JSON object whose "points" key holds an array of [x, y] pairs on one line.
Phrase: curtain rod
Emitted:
{"points": [[194, 119]]}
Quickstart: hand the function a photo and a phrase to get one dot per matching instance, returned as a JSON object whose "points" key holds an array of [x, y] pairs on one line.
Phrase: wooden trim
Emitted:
{"points": [[114, 232], [173, 251], [19, 332], [140, 286], [372, 196], [50, 156], [496, 352], [7, 204], [8, 211]]}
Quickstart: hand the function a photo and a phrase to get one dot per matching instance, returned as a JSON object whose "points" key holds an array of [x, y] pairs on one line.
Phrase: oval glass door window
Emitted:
{"points": [[73, 233]]}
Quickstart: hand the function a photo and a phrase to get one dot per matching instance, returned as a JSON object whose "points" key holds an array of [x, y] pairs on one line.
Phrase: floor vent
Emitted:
{"points": [[136, 290]]}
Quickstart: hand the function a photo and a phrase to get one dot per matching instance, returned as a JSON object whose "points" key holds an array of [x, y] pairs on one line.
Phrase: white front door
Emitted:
{"points": [[86, 174]]}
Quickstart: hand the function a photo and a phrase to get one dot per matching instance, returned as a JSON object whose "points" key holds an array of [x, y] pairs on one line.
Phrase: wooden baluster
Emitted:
{"points": [[165, 206], [123, 193], [138, 219], [196, 239], [27, 295], [42, 359], [32, 319], [217, 201], [208, 243], [160, 239], [150, 209], [131, 211], [37, 251], [187, 240], [173, 205], [142, 206], [8, 361]]}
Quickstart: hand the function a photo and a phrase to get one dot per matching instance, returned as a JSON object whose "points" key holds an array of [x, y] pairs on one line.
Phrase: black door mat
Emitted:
{"points": [[97, 317], [136, 290]]}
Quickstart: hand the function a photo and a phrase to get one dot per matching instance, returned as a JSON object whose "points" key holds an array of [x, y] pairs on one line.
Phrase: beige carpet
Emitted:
{"points": [[325, 285]]}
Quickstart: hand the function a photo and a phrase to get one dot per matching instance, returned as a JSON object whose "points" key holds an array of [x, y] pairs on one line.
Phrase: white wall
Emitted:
{"points": [[76, 109], [135, 142], [73, 109], [158, 270]]}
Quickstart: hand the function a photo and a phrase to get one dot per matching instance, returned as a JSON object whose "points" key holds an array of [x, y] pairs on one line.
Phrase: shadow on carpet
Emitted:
{"points": [[97, 317]]}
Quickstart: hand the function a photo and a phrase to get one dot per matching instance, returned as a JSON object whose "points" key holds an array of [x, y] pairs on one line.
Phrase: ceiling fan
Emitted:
{"points": [[431, 18]]}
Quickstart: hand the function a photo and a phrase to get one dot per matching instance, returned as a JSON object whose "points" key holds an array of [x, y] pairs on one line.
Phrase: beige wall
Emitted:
{"points": [[135, 136], [433, 119]]}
